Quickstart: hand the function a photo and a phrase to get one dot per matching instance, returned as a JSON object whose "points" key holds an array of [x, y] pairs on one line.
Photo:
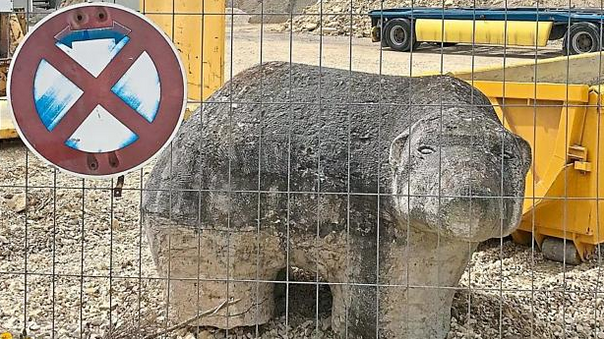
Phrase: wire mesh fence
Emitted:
{"points": [[331, 187]]}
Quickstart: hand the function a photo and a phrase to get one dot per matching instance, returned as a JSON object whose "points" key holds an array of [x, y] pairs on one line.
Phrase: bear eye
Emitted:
{"points": [[507, 155], [426, 150]]}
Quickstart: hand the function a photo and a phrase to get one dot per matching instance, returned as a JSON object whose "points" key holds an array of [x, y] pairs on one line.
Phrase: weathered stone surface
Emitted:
{"points": [[384, 185]]}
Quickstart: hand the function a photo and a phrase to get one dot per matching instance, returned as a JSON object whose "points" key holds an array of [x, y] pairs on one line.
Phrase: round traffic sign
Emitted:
{"points": [[97, 90]]}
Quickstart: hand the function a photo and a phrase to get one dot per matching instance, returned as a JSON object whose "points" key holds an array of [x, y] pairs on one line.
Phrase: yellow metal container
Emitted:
{"points": [[563, 125], [198, 31], [7, 130], [519, 33]]}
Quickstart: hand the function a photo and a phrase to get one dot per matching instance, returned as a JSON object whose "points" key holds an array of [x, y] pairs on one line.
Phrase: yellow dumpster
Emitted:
{"points": [[563, 126], [555, 104]]}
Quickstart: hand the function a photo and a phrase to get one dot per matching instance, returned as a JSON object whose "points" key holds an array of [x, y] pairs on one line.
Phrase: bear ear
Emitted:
{"points": [[398, 146], [526, 153]]}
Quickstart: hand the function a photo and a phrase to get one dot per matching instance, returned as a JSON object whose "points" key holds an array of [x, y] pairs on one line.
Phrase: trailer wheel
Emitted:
{"points": [[399, 35], [582, 37]]}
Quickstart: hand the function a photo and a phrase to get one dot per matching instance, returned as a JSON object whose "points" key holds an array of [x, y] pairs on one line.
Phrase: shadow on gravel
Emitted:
{"points": [[489, 51]]}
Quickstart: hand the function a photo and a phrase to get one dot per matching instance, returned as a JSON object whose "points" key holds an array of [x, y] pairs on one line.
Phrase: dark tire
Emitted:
{"points": [[582, 37], [399, 35]]}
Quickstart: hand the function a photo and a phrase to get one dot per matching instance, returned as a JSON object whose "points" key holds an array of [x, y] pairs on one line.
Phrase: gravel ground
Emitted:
{"points": [[252, 44]]}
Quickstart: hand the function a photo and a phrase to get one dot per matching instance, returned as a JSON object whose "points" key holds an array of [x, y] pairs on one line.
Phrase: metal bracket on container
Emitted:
{"points": [[117, 191], [583, 166], [578, 155]]}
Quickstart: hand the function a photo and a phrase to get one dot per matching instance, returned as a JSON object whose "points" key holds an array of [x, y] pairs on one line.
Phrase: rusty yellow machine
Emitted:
{"points": [[12, 28]]}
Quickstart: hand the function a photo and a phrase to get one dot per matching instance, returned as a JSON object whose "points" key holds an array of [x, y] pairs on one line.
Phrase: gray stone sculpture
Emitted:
{"points": [[384, 185]]}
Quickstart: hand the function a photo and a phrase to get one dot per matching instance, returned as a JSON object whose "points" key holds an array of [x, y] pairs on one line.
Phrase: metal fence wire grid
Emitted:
{"points": [[442, 182]]}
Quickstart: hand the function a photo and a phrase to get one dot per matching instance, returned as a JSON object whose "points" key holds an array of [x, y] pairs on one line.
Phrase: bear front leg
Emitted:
{"points": [[354, 311], [419, 273]]}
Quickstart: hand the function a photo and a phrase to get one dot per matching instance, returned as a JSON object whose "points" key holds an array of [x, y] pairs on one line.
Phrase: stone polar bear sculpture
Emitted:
{"points": [[383, 185]]}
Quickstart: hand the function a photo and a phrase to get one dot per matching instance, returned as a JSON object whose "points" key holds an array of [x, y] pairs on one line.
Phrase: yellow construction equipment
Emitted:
{"points": [[12, 28]]}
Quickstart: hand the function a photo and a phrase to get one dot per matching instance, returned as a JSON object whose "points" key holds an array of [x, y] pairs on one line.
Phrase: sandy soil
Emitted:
{"points": [[244, 49]]}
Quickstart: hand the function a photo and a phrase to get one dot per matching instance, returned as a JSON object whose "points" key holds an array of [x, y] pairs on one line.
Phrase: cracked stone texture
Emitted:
{"points": [[383, 185]]}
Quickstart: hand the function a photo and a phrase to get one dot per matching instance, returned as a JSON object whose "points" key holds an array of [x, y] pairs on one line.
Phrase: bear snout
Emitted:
{"points": [[475, 218]]}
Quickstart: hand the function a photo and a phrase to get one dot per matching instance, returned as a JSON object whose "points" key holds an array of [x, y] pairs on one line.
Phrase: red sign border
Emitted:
{"points": [[184, 88]]}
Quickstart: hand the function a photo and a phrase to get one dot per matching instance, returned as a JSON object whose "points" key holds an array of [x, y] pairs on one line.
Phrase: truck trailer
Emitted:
{"points": [[404, 29]]}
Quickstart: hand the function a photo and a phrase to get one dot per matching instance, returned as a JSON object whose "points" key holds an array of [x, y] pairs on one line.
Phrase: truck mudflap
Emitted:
{"points": [[375, 34]]}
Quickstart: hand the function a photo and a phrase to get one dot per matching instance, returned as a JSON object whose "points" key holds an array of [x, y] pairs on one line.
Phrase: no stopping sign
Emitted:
{"points": [[97, 90]]}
